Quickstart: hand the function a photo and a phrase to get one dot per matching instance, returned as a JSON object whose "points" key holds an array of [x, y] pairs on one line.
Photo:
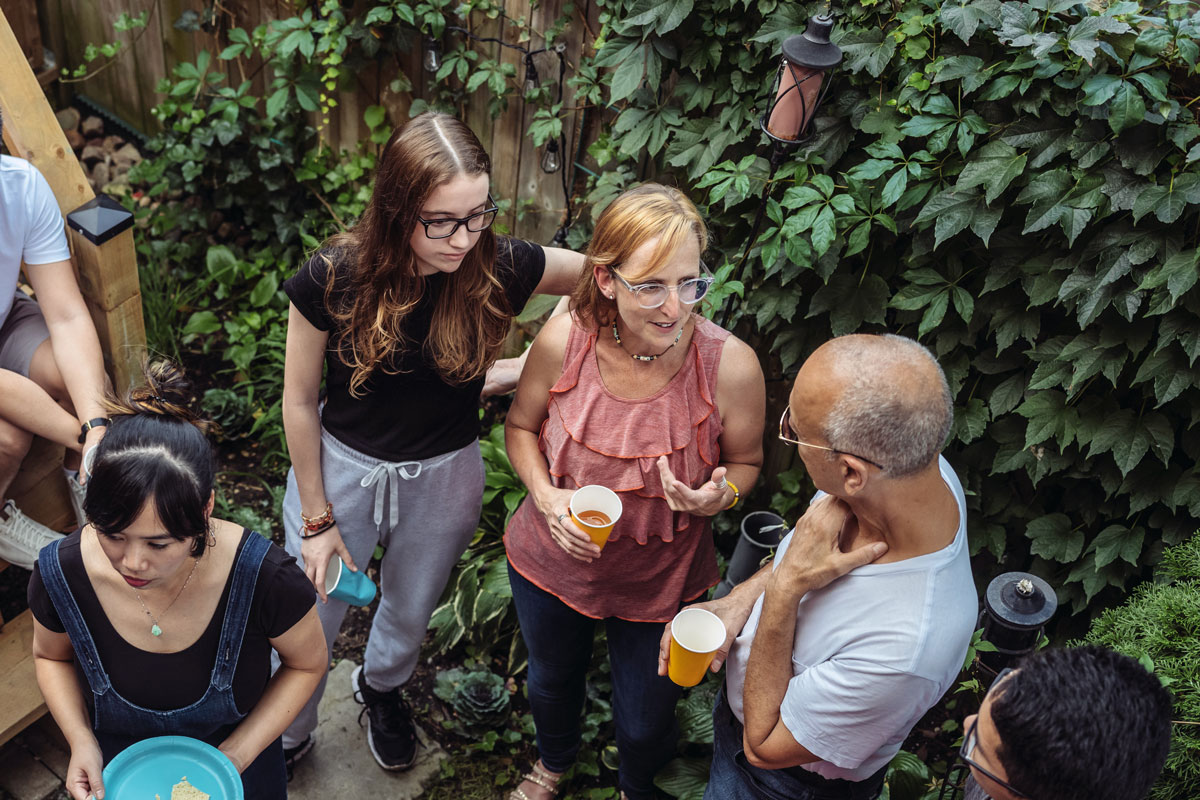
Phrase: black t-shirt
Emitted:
{"points": [[415, 413], [282, 596]]}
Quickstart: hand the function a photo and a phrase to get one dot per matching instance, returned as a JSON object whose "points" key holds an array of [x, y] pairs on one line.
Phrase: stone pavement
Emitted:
{"points": [[340, 765], [33, 764]]}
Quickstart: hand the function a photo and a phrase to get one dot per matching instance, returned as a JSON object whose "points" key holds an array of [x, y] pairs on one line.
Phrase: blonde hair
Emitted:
{"points": [[640, 215]]}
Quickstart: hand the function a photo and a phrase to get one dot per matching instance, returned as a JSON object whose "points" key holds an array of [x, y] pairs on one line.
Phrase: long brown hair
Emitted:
{"points": [[384, 284], [641, 214]]}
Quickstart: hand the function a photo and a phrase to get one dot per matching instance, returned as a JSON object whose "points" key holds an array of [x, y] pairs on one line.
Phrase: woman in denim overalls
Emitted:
{"points": [[168, 614]]}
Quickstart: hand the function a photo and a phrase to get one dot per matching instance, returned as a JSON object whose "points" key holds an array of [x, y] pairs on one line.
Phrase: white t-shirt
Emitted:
{"points": [[874, 651], [31, 226]]}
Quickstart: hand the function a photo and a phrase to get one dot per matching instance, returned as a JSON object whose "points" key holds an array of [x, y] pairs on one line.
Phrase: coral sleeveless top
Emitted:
{"points": [[655, 558]]}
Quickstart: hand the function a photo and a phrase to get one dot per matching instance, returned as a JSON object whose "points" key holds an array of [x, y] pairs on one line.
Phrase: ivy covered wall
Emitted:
{"points": [[1016, 184]]}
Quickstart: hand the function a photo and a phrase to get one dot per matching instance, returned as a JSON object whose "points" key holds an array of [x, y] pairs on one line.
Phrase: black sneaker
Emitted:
{"points": [[391, 734], [292, 755]]}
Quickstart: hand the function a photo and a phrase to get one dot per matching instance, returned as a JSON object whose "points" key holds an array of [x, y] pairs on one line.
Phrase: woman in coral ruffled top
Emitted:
{"points": [[635, 392]]}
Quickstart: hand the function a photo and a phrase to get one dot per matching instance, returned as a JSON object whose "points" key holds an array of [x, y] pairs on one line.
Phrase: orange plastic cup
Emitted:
{"points": [[696, 636], [595, 510]]}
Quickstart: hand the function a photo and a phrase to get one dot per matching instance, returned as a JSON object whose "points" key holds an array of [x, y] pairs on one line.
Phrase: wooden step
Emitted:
{"points": [[21, 701]]}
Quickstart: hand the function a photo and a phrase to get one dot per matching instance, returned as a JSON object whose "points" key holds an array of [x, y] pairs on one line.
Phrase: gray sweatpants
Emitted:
{"points": [[424, 513]]}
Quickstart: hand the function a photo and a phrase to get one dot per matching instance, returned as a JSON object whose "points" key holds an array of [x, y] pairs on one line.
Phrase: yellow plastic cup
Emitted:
{"points": [[696, 636], [595, 499]]}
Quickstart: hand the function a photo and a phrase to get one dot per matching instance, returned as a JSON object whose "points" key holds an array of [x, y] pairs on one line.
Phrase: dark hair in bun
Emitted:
{"points": [[155, 447]]}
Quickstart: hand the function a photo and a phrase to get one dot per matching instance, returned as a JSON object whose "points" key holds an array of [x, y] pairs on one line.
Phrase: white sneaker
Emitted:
{"points": [[21, 538], [77, 494]]}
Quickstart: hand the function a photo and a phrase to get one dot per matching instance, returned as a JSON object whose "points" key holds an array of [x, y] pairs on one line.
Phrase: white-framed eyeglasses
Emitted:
{"points": [[654, 294]]}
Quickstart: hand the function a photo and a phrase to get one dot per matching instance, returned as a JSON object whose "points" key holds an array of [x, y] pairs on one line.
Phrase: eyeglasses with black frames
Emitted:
{"points": [[788, 435], [966, 757], [654, 294], [445, 228]]}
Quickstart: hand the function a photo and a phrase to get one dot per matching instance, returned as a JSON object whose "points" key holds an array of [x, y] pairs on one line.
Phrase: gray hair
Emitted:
{"points": [[882, 412]]}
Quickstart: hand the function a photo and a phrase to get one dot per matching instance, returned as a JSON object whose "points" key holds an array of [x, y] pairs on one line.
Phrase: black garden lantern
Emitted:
{"points": [[1017, 607], [800, 83]]}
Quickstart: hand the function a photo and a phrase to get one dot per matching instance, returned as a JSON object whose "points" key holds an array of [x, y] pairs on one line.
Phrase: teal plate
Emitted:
{"points": [[153, 766]]}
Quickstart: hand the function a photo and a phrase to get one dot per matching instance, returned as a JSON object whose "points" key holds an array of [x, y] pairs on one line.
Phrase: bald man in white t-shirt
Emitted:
{"points": [[862, 621], [51, 369]]}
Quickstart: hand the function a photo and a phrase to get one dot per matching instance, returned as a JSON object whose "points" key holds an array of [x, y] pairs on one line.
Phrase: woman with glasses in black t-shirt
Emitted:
{"points": [[405, 313]]}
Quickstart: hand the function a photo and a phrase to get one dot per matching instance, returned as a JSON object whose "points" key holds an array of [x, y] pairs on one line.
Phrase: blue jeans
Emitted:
{"points": [[732, 777], [560, 648]]}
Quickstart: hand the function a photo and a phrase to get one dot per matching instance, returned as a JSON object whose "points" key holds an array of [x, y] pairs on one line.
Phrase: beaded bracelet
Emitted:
{"points": [[313, 523], [319, 530]]}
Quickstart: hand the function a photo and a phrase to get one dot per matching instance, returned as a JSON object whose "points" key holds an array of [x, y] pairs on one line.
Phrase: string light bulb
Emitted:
{"points": [[432, 61], [531, 75], [551, 162]]}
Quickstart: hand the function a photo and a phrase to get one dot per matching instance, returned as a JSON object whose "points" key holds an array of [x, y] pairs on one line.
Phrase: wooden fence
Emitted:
{"points": [[127, 87]]}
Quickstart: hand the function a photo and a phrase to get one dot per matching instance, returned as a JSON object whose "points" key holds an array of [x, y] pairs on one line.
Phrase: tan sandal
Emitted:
{"points": [[540, 776]]}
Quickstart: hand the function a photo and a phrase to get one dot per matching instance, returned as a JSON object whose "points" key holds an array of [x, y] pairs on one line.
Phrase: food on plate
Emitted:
{"points": [[185, 791]]}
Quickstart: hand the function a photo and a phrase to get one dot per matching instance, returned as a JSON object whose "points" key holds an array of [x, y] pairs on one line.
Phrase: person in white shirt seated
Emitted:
{"points": [[51, 367], [862, 621]]}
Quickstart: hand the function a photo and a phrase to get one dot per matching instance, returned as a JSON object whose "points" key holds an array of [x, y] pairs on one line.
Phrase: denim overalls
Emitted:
{"points": [[118, 723]]}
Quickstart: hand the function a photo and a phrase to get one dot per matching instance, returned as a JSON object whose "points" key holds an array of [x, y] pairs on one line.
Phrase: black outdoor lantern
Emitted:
{"points": [[800, 84], [1016, 608]]}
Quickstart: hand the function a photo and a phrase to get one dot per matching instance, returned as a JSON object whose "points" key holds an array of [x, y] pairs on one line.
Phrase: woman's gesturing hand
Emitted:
{"points": [[316, 551], [554, 505], [84, 772], [712, 496]]}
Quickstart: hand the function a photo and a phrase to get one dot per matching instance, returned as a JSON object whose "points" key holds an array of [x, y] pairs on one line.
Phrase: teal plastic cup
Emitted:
{"points": [[344, 584]]}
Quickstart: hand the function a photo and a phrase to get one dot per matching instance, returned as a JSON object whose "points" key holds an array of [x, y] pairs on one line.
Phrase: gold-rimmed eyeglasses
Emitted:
{"points": [[788, 435]]}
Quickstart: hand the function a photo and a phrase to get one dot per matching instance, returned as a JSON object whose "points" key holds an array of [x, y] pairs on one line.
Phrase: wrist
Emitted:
{"points": [[791, 588]]}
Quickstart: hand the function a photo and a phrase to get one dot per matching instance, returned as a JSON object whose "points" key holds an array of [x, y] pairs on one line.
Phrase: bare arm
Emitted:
{"points": [[73, 339], [303, 360], [813, 560], [563, 268], [741, 401], [521, 430], [304, 660], [53, 661], [31, 408]]}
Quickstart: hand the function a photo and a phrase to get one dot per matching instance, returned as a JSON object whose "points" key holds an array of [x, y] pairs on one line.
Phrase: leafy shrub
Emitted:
{"points": [[1017, 184], [1160, 625]]}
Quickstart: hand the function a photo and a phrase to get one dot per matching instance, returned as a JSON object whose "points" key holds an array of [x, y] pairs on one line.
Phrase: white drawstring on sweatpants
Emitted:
{"points": [[387, 474]]}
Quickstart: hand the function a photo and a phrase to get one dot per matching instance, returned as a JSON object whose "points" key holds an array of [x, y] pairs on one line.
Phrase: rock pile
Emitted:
{"points": [[106, 158]]}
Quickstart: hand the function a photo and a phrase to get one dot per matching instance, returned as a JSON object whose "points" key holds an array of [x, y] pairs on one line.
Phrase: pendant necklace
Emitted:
{"points": [[155, 628], [638, 357]]}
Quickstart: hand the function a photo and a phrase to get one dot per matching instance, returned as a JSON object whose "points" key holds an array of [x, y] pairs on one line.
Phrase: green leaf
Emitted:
{"points": [[277, 102], [1051, 537], [684, 778], [952, 210], [265, 289], [202, 322], [964, 17], [374, 116], [870, 50], [629, 74], [894, 188], [1126, 109], [1117, 541], [994, 166], [971, 421], [1007, 395]]}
